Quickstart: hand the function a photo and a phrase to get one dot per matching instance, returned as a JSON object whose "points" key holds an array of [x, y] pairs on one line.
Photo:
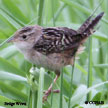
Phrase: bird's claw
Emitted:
{"points": [[47, 93], [44, 98]]}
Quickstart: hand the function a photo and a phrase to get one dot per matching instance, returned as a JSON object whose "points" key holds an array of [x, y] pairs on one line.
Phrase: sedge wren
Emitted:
{"points": [[53, 47]]}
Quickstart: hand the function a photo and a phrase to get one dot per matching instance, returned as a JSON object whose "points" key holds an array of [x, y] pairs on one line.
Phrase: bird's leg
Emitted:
{"points": [[47, 93]]}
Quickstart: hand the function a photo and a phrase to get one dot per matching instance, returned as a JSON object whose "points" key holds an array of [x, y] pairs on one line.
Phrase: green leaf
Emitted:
{"points": [[8, 52], [97, 97], [101, 66], [11, 77], [12, 17], [6, 66], [100, 36], [77, 96], [10, 20], [5, 99], [83, 91], [14, 10], [14, 92], [81, 8], [80, 68]]}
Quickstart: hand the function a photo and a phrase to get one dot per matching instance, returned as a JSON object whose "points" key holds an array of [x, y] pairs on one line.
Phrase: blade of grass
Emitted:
{"points": [[14, 18], [34, 91], [37, 101], [80, 68], [10, 20], [61, 89], [78, 95], [29, 98], [41, 87], [46, 12], [105, 66], [34, 86], [12, 77], [40, 12], [95, 86], [89, 80], [52, 90], [8, 52], [69, 105], [34, 99], [91, 3], [52, 4], [6, 66], [14, 92], [99, 35], [5, 99], [59, 11], [15, 10], [78, 6], [101, 58], [35, 19], [83, 91], [81, 8]]}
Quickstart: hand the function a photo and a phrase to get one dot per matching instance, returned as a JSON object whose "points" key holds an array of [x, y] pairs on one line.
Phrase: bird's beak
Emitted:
{"points": [[11, 39]]}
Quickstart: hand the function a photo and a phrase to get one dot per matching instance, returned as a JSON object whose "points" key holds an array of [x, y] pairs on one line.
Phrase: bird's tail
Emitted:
{"points": [[87, 28]]}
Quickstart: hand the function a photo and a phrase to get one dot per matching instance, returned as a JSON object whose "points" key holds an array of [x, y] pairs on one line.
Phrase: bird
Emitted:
{"points": [[53, 47]]}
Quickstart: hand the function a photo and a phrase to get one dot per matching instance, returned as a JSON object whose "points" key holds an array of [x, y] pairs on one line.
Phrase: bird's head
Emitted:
{"points": [[26, 37]]}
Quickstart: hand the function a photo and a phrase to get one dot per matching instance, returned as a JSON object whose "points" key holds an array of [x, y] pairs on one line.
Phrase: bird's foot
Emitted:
{"points": [[48, 92]]}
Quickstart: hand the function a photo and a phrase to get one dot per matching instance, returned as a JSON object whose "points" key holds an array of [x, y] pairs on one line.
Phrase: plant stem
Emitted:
{"points": [[61, 90], [40, 12], [52, 4], [89, 81], [52, 90], [41, 87], [34, 91], [34, 99], [71, 84], [29, 98], [59, 11]]}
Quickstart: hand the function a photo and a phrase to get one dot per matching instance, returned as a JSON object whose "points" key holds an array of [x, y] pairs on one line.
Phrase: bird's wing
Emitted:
{"points": [[56, 40]]}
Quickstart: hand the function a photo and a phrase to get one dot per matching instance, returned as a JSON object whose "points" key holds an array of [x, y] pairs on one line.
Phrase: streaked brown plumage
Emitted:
{"points": [[53, 47]]}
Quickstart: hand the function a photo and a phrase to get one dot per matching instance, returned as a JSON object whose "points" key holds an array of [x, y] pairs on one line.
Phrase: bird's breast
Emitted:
{"points": [[52, 62]]}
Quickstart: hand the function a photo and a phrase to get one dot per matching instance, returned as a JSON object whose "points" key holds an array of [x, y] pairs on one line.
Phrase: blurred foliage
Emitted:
{"points": [[15, 78]]}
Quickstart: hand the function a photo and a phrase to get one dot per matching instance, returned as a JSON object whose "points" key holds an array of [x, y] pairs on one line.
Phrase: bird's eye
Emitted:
{"points": [[24, 36]]}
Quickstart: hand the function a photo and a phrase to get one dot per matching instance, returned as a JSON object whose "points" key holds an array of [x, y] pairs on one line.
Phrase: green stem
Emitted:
{"points": [[101, 58], [52, 90], [40, 12], [52, 4], [61, 90], [71, 84], [34, 99], [29, 98], [40, 88], [89, 69], [34, 92], [59, 11]]}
